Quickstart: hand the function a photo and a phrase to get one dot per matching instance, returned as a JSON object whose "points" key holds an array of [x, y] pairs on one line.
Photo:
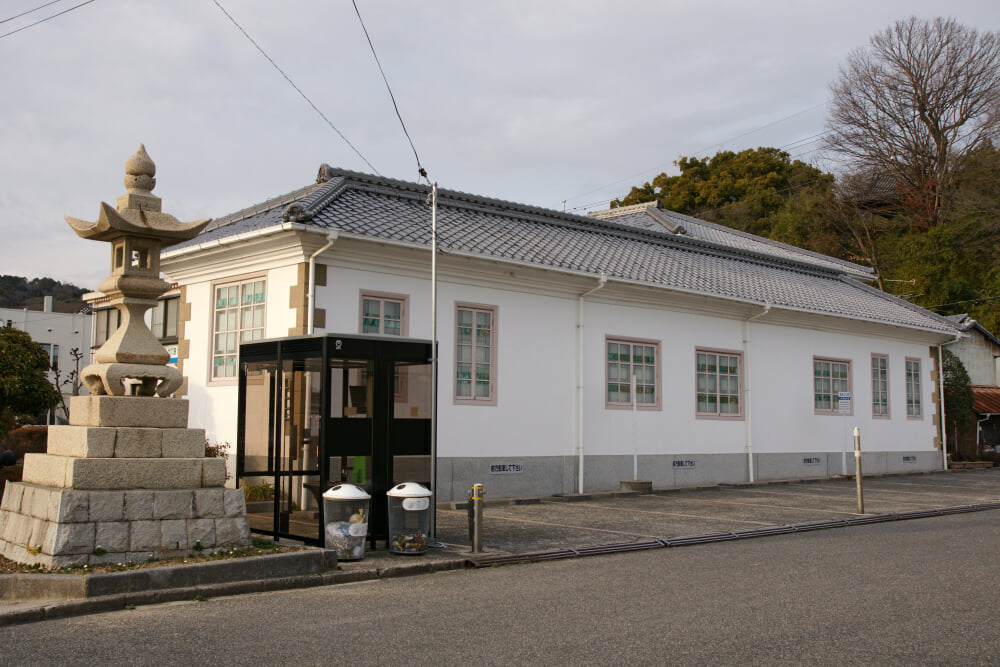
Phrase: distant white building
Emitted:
{"points": [[59, 334]]}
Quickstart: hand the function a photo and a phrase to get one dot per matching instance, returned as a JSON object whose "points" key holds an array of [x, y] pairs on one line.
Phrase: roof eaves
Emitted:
{"points": [[257, 209], [903, 302]]}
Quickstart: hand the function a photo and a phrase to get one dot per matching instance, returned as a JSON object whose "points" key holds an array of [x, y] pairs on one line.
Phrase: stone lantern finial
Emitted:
{"points": [[139, 183], [137, 230]]}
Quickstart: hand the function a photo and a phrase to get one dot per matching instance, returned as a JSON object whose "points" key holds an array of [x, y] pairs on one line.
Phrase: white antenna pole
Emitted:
{"points": [[434, 356]]}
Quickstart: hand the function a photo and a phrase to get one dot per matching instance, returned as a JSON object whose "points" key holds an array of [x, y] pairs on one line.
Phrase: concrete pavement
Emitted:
{"points": [[525, 526]]}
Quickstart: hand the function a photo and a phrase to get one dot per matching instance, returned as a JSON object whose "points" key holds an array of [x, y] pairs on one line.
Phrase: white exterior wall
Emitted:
{"points": [[781, 379], [534, 366], [782, 375], [535, 416]]}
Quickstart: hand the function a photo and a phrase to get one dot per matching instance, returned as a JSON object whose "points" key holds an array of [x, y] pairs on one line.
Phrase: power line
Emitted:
{"points": [[292, 83], [30, 11], [420, 169], [959, 303], [48, 18], [695, 153]]}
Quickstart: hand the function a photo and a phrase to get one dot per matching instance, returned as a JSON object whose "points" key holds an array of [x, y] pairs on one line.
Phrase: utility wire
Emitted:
{"points": [[292, 83], [17, 16], [420, 169], [49, 18], [959, 303], [695, 153]]}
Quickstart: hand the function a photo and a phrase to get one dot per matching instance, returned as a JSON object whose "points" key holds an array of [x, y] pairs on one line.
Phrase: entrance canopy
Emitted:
{"points": [[318, 410]]}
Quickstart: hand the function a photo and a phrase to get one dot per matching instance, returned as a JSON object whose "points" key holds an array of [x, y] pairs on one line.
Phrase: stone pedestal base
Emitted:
{"points": [[64, 527], [113, 490]]}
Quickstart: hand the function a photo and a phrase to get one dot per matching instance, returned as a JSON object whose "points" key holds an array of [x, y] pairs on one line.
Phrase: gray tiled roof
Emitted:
{"points": [[701, 258]]}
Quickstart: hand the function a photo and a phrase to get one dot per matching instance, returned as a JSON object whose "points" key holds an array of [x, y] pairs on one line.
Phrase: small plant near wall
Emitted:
{"points": [[257, 492], [219, 451]]}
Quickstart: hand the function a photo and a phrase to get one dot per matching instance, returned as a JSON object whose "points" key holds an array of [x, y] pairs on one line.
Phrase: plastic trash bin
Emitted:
{"points": [[345, 510], [409, 518]]}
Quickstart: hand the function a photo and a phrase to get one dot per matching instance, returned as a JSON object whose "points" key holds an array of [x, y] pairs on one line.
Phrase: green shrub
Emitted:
{"points": [[257, 492]]}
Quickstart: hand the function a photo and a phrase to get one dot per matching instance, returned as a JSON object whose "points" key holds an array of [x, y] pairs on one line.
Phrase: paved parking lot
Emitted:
{"points": [[552, 523]]}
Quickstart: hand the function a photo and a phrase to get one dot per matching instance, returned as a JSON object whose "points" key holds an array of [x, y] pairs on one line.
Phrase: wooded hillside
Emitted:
{"points": [[19, 292]]}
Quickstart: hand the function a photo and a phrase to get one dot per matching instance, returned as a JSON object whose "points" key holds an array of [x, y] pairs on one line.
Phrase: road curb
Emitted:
{"points": [[114, 591]]}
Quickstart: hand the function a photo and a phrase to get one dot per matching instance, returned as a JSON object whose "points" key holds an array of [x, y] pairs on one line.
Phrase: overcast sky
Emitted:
{"points": [[534, 102]]}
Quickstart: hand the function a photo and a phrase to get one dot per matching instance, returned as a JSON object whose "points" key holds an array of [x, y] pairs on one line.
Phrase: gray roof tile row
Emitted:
{"points": [[702, 257]]}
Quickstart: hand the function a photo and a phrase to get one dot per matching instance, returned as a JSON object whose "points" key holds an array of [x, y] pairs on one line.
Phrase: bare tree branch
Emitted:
{"points": [[915, 103]]}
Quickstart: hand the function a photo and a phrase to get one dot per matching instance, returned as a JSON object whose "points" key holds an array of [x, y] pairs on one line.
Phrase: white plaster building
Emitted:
{"points": [[58, 333], [740, 345]]}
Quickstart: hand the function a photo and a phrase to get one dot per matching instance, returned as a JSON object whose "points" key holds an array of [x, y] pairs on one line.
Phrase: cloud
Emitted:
{"points": [[525, 101]]}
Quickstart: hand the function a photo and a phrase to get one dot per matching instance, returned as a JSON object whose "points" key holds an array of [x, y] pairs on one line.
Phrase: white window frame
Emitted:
{"points": [[877, 389], [719, 376], [626, 382], [240, 333], [404, 310], [834, 408], [476, 308], [914, 384]]}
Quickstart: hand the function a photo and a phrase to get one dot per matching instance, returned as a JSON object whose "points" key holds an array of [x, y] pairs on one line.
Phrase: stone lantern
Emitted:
{"points": [[126, 479], [137, 231]]}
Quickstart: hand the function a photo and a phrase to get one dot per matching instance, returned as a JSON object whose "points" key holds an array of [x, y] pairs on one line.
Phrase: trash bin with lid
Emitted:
{"points": [[345, 510], [409, 518]]}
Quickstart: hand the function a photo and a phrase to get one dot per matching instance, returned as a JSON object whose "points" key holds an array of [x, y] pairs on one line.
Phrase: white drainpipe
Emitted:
{"points": [[311, 306], [579, 370], [748, 435], [944, 430]]}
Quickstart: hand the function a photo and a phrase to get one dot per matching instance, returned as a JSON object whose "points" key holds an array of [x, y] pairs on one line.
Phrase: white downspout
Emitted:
{"points": [[579, 371], [748, 434], [311, 305], [944, 430]]}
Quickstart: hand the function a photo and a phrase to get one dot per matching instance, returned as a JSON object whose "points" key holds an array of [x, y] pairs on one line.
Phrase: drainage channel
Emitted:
{"points": [[621, 547]]}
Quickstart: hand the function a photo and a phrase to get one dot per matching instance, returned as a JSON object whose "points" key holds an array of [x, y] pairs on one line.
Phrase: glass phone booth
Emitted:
{"points": [[315, 411]]}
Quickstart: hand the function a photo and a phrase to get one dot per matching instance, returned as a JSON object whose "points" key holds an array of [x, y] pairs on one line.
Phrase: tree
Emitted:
{"points": [[747, 190], [958, 397], [914, 104], [72, 379], [25, 390]]}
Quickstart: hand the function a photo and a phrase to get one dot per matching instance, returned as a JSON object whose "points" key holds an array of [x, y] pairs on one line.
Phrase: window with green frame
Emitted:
{"points": [[381, 315], [830, 377], [880, 385], [718, 383], [239, 318], [475, 353], [913, 408], [625, 358]]}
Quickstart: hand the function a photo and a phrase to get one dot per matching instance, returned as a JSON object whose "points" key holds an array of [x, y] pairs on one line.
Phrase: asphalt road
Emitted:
{"points": [[912, 592]]}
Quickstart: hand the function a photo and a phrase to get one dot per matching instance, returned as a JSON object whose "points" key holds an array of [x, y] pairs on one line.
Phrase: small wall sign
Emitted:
{"points": [[812, 461], [684, 463], [909, 459], [506, 468]]}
